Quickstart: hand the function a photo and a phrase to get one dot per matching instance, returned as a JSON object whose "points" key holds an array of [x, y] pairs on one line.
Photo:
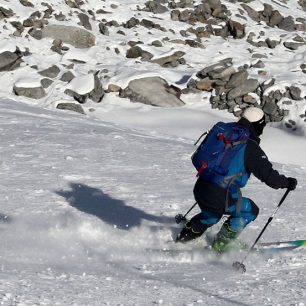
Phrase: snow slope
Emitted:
{"points": [[83, 200]]}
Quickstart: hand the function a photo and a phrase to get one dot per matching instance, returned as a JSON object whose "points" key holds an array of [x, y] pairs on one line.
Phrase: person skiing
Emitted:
{"points": [[215, 201]]}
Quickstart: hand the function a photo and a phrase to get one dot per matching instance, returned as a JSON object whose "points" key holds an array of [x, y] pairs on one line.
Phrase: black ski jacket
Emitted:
{"points": [[213, 197]]}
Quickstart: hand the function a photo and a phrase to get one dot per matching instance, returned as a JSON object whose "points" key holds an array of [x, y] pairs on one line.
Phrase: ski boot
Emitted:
{"points": [[188, 233], [223, 239]]}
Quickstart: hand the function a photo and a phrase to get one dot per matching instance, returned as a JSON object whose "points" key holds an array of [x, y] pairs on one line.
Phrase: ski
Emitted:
{"points": [[264, 247], [289, 244]]}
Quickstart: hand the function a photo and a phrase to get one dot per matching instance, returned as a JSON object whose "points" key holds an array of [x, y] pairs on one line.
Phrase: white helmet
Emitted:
{"points": [[253, 114]]}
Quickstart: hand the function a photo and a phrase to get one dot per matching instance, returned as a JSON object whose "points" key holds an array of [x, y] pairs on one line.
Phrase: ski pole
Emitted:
{"points": [[239, 265], [180, 218]]}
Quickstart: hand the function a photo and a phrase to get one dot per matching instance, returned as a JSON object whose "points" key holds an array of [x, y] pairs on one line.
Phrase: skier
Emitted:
{"points": [[214, 201]]}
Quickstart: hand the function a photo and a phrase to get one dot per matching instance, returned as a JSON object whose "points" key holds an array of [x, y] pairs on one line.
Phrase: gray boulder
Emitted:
{"points": [[51, 72], [155, 7], [6, 13], [10, 60], [248, 86], [270, 108], [103, 29], [225, 63], [45, 82], [71, 107], [75, 36], [84, 20], [295, 92], [30, 92], [287, 24], [237, 79], [153, 91]]}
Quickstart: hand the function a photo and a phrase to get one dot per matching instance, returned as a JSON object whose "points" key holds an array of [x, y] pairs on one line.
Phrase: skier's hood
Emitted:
{"points": [[246, 123]]}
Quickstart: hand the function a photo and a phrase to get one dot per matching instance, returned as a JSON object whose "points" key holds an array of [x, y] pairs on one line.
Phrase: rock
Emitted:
{"points": [[18, 26], [45, 83], [157, 43], [175, 15], [295, 93], [276, 19], [37, 34], [293, 45], [259, 64], [51, 72], [113, 88], [222, 73], [237, 79], [131, 23], [251, 98], [205, 85], [84, 20], [270, 108], [98, 92], [71, 107], [248, 86], [136, 52], [287, 24], [153, 91], [10, 60], [220, 65], [272, 43], [155, 7], [253, 14], [26, 3], [103, 29], [86, 87], [6, 13], [30, 92], [236, 29], [75, 36], [67, 77], [168, 59], [60, 17]]}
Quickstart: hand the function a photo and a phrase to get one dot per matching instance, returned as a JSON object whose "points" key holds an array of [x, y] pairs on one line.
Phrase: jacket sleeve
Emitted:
{"points": [[257, 163]]}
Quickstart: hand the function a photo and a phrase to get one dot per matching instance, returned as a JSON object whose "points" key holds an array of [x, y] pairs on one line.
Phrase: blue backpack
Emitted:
{"points": [[214, 157]]}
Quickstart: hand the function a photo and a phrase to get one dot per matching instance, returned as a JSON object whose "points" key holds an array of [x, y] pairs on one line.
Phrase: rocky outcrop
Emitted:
{"points": [[232, 90]]}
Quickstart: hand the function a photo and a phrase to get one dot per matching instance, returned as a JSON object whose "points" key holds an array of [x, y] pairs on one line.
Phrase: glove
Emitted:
{"points": [[292, 183]]}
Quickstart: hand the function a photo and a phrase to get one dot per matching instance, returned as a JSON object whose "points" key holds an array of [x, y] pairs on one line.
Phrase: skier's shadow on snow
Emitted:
{"points": [[112, 211], [4, 218]]}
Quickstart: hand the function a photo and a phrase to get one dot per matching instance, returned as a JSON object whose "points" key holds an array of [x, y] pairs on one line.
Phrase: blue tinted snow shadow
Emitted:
{"points": [[110, 210]]}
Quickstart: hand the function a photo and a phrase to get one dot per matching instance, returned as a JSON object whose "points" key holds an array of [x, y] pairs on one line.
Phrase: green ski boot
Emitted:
{"points": [[188, 234], [225, 236]]}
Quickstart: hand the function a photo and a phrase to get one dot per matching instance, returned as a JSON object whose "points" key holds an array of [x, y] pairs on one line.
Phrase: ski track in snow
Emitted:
{"points": [[82, 200]]}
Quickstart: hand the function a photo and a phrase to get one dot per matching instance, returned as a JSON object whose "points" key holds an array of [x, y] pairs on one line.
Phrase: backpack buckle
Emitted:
{"points": [[203, 166]]}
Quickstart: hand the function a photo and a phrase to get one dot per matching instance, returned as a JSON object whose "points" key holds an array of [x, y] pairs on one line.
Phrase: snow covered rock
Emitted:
{"points": [[86, 87], [175, 57], [153, 91], [30, 88]]}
